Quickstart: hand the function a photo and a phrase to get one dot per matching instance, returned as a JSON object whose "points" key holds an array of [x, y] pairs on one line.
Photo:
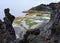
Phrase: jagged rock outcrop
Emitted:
{"points": [[7, 33], [8, 20]]}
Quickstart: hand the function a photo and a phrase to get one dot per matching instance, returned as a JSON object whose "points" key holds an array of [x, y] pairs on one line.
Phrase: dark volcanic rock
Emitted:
{"points": [[7, 33], [8, 19]]}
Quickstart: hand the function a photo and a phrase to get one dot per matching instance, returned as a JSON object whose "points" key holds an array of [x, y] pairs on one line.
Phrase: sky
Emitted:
{"points": [[17, 6]]}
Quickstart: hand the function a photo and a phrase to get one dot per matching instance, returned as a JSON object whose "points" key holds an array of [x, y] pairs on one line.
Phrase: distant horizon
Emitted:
{"points": [[17, 6]]}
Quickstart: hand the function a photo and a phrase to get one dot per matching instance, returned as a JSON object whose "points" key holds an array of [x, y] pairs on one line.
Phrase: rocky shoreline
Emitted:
{"points": [[46, 33]]}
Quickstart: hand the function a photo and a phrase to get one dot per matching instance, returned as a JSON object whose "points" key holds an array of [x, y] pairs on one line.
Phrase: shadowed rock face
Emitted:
{"points": [[7, 33], [57, 5], [8, 19], [3, 34], [52, 5], [8, 15]]}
